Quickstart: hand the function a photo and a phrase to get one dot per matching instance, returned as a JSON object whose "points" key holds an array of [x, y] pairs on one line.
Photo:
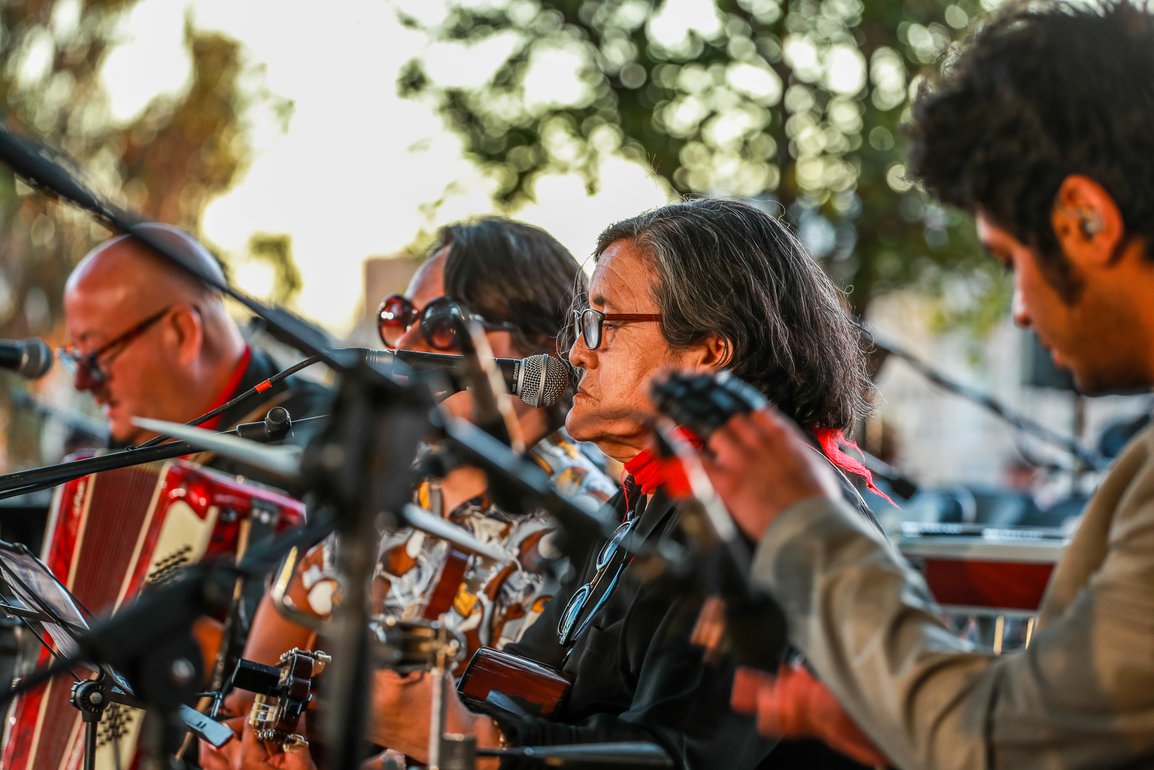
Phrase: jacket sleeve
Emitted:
{"points": [[1082, 695]]}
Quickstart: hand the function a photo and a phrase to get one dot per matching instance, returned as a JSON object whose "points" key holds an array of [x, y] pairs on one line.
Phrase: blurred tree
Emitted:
{"points": [[796, 103], [276, 251], [166, 162]]}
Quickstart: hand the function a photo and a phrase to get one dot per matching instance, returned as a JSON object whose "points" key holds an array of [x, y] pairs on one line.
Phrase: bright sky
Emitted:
{"points": [[358, 167]]}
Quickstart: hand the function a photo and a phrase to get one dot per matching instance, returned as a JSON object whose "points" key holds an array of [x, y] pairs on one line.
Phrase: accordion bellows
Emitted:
{"points": [[108, 536]]}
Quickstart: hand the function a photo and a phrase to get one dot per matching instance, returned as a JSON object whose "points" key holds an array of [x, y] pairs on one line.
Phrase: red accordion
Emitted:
{"points": [[109, 535]]}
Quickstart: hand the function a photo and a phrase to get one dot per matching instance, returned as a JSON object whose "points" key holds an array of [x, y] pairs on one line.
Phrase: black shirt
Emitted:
{"points": [[636, 676]]}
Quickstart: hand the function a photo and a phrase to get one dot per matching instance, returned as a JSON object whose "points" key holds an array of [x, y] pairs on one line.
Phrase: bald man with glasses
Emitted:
{"points": [[150, 340]]}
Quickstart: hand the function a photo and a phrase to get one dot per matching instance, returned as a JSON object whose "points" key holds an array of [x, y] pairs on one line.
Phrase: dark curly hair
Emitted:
{"points": [[1042, 91], [727, 268]]}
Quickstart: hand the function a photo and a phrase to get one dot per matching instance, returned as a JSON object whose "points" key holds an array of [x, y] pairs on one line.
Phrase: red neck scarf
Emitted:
{"points": [[651, 471], [831, 442]]}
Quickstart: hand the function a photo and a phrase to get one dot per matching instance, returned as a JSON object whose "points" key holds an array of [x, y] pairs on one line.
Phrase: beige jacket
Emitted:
{"points": [[1082, 695]]}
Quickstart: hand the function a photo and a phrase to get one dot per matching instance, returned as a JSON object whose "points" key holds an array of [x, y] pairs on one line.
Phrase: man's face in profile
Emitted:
{"points": [[1087, 335], [134, 373]]}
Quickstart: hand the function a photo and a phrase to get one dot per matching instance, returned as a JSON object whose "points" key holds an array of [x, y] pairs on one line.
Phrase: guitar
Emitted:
{"points": [[704, 402], [283, 692], [513, 683]]}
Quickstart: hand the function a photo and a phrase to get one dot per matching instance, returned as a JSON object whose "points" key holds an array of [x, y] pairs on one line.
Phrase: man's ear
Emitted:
{"points": [[717, 352], [187, 328], [1087, 222]]}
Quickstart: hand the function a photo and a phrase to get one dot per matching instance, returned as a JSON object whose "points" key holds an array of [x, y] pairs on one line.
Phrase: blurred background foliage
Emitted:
{"points": [[166, 162], [796, 104]]}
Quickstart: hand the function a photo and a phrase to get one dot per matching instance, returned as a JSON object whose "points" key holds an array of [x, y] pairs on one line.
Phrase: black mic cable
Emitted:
{"points": [[252, 392]]}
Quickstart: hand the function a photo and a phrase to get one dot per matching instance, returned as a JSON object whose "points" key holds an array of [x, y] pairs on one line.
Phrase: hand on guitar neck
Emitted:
{"points": [[268, 736], [758, 460]]}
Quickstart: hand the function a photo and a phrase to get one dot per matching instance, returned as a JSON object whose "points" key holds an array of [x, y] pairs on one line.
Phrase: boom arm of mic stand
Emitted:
{"points": [[17, 483], [1089, 459], [39, 165], [20, 482]]}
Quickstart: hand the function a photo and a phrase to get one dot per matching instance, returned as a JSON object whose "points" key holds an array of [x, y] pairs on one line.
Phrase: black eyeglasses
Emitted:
{"points": [[439, 321], [589, 323], [87, 367], [602, 583]]}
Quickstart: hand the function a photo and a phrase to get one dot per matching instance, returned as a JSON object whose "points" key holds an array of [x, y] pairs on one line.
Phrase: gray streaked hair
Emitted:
{"points": [[727, 268]]}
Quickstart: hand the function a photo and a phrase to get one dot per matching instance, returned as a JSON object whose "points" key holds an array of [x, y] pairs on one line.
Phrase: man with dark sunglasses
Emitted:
{"points": [[518, 283], [150, 340]]}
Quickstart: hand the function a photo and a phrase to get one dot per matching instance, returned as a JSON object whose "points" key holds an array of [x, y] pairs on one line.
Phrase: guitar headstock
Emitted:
{"points": [[703, 402], [283, 692]]}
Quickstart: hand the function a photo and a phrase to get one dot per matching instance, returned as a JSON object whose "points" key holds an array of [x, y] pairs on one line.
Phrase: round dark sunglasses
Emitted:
{"points": [[439, 321]]}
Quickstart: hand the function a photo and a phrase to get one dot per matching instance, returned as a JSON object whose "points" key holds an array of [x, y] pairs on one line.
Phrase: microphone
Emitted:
{"points": [[30, 358], [539, 380]]}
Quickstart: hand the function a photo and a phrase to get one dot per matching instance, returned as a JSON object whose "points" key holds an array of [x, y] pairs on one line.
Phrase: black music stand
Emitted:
{"points": [[30, 593]]}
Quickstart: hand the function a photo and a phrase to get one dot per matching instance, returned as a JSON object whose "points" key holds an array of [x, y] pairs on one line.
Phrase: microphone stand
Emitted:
{"points": [[1086, 459], [360, 465], [91, 697]]}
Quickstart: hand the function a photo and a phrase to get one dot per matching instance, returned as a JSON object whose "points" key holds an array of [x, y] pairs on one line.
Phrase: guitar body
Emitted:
{"points": [[533, 686]]}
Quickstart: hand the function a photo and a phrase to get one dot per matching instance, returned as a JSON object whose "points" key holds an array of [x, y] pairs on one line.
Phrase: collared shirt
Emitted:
{"points": [[490, 604]]}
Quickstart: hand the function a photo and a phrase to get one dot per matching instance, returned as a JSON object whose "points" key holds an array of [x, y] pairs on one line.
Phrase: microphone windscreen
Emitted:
{"points": [[37, 359], [544, 380]]}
